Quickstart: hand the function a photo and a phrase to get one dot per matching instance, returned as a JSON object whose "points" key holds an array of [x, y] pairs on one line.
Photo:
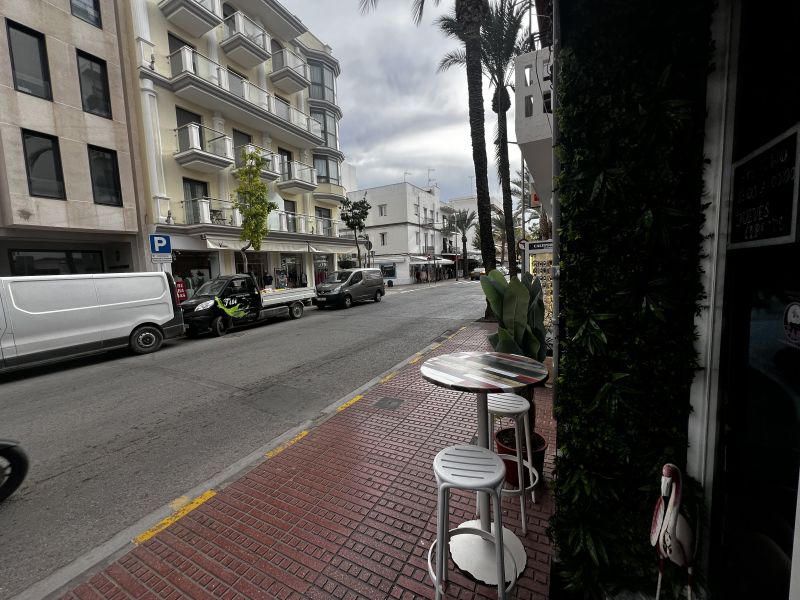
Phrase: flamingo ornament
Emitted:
{"points": [[670, 533]]}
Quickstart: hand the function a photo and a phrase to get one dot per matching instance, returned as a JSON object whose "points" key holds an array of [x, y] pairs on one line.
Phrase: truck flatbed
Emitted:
{"points": [[285, 296]]}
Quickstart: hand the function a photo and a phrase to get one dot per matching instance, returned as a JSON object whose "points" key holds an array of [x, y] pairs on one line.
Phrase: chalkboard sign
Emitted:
{"points": [[764, 200]]}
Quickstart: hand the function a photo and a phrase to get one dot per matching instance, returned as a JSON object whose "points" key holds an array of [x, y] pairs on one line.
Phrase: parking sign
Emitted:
{"points": [[160, 244]]}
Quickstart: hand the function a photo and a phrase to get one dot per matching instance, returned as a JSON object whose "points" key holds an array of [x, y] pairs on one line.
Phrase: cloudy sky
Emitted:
{"points": [[399, 113]]}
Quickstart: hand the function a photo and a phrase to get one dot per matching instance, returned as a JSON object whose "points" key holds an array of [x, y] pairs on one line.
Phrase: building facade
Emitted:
{"points": [[216, 79], [470, 204], [69, 173], [404, 227]]}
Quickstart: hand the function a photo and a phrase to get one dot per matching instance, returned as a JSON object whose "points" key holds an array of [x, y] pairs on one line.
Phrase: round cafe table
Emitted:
{"points": [[484, 373]]}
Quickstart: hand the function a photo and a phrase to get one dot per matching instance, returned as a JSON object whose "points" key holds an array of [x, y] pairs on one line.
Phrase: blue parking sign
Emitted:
{"points": [[160, 244]]}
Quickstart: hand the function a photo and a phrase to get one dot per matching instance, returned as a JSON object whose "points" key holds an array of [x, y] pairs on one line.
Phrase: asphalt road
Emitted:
{"points": [[113, 438]]}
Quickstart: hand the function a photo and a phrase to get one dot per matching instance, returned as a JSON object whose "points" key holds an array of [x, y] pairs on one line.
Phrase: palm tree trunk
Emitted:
{"points": [[464, 255], [505, 182], [471, 17]]}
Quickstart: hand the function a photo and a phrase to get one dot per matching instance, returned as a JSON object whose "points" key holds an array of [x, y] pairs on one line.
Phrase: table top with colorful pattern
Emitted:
{"points": [[483, 372]]}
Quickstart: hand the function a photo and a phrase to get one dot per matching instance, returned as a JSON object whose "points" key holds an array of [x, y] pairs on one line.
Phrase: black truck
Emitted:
{"points": [[231, 300]]}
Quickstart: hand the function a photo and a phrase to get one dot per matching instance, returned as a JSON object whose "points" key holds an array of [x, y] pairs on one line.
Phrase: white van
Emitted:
{"points": [[43, 319]]}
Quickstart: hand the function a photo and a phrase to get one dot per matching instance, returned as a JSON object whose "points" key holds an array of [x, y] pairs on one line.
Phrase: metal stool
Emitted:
{"points": [[476, 469], [516, 407]]}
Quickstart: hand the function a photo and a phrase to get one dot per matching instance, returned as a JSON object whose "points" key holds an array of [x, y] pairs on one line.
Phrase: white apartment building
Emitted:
{"points": [[534, 119], [215, 79], [69, 177], [404, 227]]}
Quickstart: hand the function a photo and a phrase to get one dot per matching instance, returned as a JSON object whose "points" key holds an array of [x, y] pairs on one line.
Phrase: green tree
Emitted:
{"points": [[469, 14], [251, 199], [460, 222], [354, 214], [500, 41]]}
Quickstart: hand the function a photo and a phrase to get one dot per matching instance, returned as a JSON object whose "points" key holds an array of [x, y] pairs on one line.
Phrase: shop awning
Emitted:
{"points": [[276, 246], [421, 260]]}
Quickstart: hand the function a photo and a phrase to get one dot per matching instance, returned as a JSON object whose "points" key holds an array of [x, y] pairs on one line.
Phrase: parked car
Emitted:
{"points": [[350, 285], [48, 318], [231, 300], [475, 274]]}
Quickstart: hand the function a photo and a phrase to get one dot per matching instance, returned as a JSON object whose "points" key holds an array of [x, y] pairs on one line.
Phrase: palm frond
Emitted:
{"points": [[452, 59], [449, 26]]}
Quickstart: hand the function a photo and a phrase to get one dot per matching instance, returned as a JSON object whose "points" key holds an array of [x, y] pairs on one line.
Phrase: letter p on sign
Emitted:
{"points": [[160, 244]]}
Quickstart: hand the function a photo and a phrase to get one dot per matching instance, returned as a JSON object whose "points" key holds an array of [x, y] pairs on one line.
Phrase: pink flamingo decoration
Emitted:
{"points": [[670, 533]]}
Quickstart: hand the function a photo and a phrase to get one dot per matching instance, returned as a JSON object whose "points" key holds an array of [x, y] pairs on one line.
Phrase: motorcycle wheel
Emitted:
{"points": [[13, 468]]}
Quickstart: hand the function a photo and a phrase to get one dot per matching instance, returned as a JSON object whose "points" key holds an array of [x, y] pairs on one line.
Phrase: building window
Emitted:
{"points": [[55, 262], [327, 169], [29, 61], [528, 106], [105, 176], [528, 73], [330, 127], [416, 238], [381, 210], [93, 76], [43, 165], [383, 239], [547, 102], [416, 209], [323, 86], [87, 10]]}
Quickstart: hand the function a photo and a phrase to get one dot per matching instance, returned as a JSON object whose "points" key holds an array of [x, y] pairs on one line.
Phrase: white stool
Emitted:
{"points": [[516, 407], [476, 469]]}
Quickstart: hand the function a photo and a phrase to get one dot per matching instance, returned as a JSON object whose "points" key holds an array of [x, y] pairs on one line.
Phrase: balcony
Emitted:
{"points": [[204, 82], [331, 192], [211, 211], [244, 41], [290, 73], [195, 17], [270, 170], [203, 149], [296, 177], [288, 222]]}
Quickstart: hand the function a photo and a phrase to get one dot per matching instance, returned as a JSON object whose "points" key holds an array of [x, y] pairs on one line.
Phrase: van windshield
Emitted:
{"points": [[211, 288], [337, 277]]}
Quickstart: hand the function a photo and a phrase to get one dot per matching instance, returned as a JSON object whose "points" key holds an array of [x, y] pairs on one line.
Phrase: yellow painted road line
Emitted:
{"points": [[187, 508], [349, 403], [389, 377], [416, 358], [278, 449], [434, 346]]}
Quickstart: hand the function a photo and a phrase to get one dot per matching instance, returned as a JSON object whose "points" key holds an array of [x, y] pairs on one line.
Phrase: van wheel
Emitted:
{"points": [[296, 310], [219, 327], [146, 339], [378, 296], [347, 302]]}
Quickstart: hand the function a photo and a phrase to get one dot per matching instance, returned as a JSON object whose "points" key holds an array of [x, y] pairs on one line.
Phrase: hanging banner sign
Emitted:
{"points": [[764, 197]]}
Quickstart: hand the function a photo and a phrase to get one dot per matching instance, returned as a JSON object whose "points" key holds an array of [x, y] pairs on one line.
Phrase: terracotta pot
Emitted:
{"points": [[505, 440]]}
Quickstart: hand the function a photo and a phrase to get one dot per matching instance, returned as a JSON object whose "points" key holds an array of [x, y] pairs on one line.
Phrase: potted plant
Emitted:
{"points": [[519, 308]]}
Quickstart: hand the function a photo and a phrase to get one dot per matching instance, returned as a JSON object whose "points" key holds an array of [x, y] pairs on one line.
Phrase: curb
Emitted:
{"points": [[82, 568]]}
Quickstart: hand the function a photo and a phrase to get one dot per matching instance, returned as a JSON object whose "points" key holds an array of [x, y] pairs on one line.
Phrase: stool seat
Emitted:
{"points": [[507, 405], [469, 467]]}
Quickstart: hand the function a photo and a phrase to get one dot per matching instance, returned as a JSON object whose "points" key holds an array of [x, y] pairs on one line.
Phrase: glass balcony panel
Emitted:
{"points": [[241, 23], [282, 109], [221, 212]]}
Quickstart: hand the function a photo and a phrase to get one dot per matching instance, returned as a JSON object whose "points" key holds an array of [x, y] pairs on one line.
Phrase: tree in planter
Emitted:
{"points": [[251, 199], [354, 214]]}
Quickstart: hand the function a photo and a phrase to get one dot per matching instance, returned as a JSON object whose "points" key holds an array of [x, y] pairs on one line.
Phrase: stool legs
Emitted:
{"points": [[498, 544], [442, 527], [528, 438], [520, 475]]}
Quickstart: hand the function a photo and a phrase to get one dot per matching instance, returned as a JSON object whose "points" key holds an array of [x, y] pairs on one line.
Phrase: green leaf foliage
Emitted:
{"points": [[631, 98], [251, 199]]}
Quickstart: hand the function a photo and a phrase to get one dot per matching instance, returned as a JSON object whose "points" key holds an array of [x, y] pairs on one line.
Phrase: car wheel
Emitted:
{"points": [[146, 339], [347, 302], [296, 310], [219, 327], [378, 296]]}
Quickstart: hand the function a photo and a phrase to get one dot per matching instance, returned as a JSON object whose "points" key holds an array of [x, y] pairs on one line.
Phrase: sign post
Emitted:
{"points": [[160, 250]]}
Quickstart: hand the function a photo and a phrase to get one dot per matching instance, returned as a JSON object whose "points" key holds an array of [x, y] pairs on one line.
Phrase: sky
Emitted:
{"points": [[400, 115]]}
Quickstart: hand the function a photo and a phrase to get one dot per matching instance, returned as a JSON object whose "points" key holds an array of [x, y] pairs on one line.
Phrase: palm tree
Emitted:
{"points": [[500, 43], [461, 222], [469, 14], [500, 235]]}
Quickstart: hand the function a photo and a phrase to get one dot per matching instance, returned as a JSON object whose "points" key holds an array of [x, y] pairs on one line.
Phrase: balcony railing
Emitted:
{"points": [[297, 171], [197, 137], [239, 23], [187, 60], [286, 59], [205, 210], [290, 222], [271, 159]]}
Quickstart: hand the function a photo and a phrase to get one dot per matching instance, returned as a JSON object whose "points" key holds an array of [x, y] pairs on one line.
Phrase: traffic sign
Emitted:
{"points": [[161, 258], [523, 244], [160, 244]]}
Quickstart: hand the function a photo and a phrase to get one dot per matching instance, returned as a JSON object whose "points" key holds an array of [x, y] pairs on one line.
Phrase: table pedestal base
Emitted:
{"points": [[476, 556]]}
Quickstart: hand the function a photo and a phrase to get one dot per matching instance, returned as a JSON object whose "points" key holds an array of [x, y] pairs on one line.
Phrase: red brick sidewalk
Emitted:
{"points": [[348, 511]]}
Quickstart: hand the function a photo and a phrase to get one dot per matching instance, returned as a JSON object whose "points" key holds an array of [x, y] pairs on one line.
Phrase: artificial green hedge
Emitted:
{"points": [[632, 109]]}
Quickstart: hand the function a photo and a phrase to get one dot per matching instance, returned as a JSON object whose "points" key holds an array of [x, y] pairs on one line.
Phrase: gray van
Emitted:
{"points": [[350, 285]]}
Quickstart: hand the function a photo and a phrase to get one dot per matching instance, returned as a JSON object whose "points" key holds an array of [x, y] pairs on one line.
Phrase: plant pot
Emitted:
{"points": [[505, 440]]}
